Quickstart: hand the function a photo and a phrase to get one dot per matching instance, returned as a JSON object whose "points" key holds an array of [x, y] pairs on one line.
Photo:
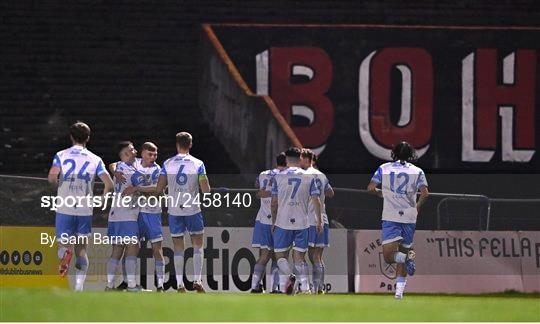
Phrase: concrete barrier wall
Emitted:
{"points": [[244, 123], [463, 262]]}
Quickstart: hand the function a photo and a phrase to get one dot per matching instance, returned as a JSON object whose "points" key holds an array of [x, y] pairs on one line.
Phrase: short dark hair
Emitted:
{"points": [[281, 159], [122, 145], [293, 152], [403, 151], [184, 140], [80, 132], [308, 154], [149, 146]]}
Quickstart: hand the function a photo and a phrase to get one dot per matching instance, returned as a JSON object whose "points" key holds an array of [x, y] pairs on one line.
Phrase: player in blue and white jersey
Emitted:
{"points": [[123, 228], [184, 176], [292, 191], [400, 182], [74, 170], [262, 232], [145, 183], [317, 242]]}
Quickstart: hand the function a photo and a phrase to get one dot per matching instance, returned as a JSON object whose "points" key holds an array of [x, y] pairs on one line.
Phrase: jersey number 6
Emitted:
{"points": [[181, 177]]}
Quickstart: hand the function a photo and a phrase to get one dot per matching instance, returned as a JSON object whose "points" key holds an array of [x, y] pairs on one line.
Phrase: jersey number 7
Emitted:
{"points": [[296, 183]]}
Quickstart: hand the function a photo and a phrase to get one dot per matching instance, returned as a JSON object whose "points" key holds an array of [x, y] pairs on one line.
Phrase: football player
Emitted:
{"points": [[400, 181]]}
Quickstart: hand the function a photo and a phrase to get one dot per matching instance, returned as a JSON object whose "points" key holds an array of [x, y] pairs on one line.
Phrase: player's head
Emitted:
{"points": [[292, 155], [126, 151], [79, 133], [306, 158], [149, 152], [184, 141], [403, 152], [281, 161]]}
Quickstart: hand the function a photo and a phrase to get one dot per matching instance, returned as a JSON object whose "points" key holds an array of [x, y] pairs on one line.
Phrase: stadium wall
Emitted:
{"points": [[451, 262], [464, 96], [229, 259], [467, 262], [24, 262], [249, 126], [130, 69]]}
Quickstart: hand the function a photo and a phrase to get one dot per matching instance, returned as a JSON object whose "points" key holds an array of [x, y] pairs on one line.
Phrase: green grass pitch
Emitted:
{"points": [[65, 305]]}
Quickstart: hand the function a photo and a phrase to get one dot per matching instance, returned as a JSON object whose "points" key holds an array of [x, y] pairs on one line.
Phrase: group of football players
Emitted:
{"points": [[74, 169], [292, 214], [293, 217]]}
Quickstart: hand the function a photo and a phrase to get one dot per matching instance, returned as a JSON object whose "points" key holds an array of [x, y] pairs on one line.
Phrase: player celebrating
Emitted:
{"points": [[292, 191], [317, 242], [185, 175], [74, 170], [123, 219], [262, 232], [144, 182], [150, 214], [400, 181]]}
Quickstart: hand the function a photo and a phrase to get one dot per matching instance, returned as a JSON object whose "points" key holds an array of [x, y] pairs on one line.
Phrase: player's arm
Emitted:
{"points": [[204, 184], [112, 167], [257, 186], [274, 203], [274, 209], [329, 191], [316, 201], [315, 192], [372, 189], [55, 170], [424, 193], [147, 191], [422, 185], [117, 174], [162, 180], [107, 182], [161, 183], [375, 181]]}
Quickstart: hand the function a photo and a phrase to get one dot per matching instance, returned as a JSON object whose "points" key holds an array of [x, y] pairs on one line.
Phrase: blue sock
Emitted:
{"points": [[401, 279]]}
